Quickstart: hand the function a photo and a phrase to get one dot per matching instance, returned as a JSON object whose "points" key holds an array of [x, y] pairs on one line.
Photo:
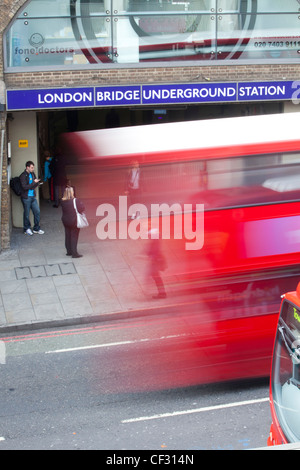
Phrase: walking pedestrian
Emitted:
{"points": [[29, 182], [69, 220]]}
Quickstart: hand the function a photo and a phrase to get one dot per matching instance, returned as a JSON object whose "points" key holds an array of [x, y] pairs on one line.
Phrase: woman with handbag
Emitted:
{"points": [[69, 205]]}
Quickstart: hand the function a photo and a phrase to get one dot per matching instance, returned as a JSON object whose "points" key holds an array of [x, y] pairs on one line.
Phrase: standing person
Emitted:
{"points": [[29, 182], [47, 173], [58, 170], [157, 263], [69, 220], [133, 185]]}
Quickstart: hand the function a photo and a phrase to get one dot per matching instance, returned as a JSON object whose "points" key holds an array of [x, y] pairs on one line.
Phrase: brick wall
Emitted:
{"points": [[196, 74], [163, 74]]}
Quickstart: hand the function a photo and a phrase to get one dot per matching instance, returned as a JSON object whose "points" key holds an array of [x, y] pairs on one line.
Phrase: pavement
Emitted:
{"points": [[41, 287]]}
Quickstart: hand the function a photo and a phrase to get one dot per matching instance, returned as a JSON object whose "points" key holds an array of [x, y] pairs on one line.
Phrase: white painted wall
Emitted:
{"points": [[23, 127]]}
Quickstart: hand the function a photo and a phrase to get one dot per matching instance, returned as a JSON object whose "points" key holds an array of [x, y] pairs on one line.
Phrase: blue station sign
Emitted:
{"points": [[143, 95]]}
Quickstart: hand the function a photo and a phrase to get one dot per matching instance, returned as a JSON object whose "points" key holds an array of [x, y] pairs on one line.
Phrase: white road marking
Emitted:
{"points": [[196, 410], [107, 345], [92, 346], [163, 415], [2, 439]]}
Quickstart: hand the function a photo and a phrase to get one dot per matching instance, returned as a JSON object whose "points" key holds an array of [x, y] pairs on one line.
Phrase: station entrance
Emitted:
{"points": [[33, 133]]}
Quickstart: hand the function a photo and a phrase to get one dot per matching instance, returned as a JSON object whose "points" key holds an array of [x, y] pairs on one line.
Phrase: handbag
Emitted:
{"points": [[82, 221]]}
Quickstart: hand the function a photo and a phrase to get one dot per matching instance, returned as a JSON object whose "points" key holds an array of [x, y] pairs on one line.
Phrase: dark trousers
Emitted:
{"points": [[155, 274], [159, 282], [51, 189], [134, 195], [58, 190], [71, 240]]}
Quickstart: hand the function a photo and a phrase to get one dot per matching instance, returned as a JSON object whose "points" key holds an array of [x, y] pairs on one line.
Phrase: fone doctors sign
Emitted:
{"points": [[153, 95]]}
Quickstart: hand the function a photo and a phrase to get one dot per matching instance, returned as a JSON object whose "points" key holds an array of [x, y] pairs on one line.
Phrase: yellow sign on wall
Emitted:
{"points": [[23, 144]]}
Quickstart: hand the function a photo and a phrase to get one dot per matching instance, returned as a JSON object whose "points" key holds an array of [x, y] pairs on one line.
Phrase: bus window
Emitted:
{"points": [[285, 380]]}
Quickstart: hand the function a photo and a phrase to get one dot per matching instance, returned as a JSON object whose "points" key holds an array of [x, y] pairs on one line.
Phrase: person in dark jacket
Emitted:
{"points": [[57, 169], [47, 174], [28, 197], [69, 220]]}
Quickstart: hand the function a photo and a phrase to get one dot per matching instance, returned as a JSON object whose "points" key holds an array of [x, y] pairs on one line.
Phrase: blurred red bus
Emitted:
{"points": [[285, 374], [246, 173]]}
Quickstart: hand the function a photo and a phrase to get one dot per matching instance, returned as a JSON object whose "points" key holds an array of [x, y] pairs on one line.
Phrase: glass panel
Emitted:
{"points": [[94, 30], [168, 6], [37, 8], [164, 38], [53, 43], [277, 6], [132, 31], [261, 36], [92, 8], [228, 5]]}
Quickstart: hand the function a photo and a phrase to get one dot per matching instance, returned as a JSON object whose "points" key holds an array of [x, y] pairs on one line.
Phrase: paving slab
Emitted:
{"points": [[40, 286]]}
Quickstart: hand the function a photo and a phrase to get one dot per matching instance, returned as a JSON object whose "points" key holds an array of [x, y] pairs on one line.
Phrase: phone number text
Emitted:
{"points": [[277, 44]]}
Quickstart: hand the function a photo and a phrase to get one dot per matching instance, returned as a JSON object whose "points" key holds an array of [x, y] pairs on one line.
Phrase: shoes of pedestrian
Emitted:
{"points": [[77, 256], [69, 254], [55, 205], [28, 232], [161, 295], [40, 232]]}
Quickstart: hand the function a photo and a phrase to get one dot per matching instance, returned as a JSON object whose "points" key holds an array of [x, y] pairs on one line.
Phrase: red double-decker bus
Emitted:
{"points": [[244, 171], [285, 374]]}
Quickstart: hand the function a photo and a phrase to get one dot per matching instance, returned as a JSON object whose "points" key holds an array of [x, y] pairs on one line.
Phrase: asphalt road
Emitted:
{"points": [[123, 385]]}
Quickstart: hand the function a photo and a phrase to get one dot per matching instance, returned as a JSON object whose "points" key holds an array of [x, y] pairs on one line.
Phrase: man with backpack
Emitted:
{"points": [[29, 182]]}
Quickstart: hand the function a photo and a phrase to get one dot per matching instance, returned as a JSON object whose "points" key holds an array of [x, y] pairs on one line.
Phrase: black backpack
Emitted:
{"points": [[15, 185]]}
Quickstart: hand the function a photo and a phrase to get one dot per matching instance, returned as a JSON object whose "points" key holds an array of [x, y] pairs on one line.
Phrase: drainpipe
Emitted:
{"points": [[1, 177], [2, 138]]}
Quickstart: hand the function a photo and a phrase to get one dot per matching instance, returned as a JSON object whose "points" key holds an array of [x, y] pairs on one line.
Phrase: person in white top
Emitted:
{"points": [[133, 187]]}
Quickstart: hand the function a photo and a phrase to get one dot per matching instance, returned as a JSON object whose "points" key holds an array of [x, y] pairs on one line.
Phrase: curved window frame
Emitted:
{"points": [[145, 52]]}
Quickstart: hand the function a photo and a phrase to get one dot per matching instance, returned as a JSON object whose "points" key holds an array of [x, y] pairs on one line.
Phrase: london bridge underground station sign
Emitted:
{"points": [[154, 95]]}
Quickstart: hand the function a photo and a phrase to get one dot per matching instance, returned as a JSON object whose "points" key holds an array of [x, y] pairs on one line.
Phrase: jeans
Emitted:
{"points": [[31, 203]]}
